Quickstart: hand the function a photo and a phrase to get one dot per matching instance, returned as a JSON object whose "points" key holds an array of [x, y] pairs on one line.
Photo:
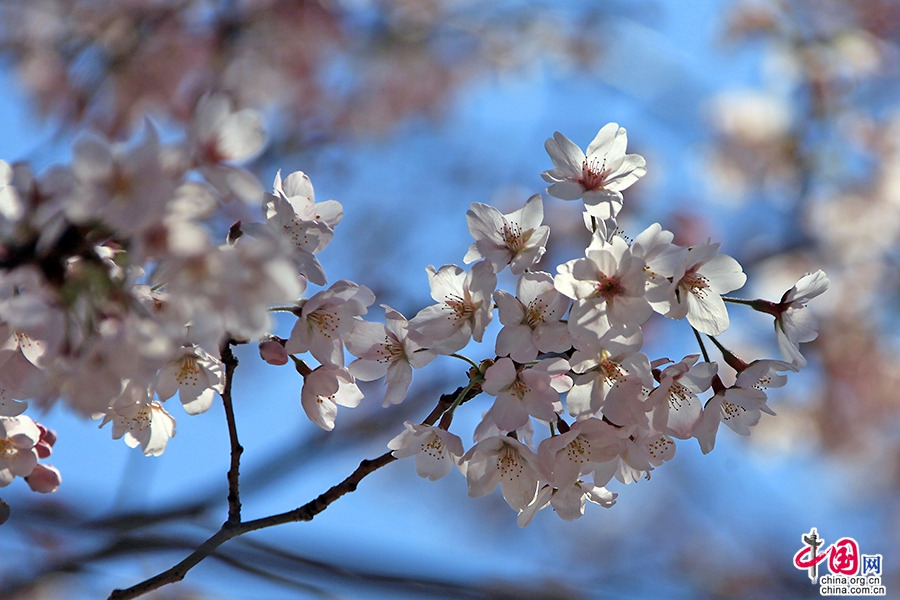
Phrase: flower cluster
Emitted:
{"points": [[113, 298]]}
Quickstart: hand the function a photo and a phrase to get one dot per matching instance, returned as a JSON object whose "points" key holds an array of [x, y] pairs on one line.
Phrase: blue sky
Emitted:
{"points": [[409, 193]]}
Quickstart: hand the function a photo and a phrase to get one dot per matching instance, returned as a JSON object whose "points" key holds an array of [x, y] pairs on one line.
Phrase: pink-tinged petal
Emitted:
{"points": [[517, 341], [196, 401], [366, 339], [484, 222], [809, 286], [724, 273], [399, 376], [44, 479], [581, 398], [565, 155], [566, 190], [627, 311], [630, 169], [532, 214], [508, 413], [297, 184], [433, 462], [789, 350], [800, 325], [446, 282], [684, 414], [510, 308], [603, 141], [368, 370], [499, 376], [707, 313]]}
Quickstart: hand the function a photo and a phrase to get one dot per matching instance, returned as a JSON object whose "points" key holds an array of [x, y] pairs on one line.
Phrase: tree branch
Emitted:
{"points": [[234, 495], [306, 512]]}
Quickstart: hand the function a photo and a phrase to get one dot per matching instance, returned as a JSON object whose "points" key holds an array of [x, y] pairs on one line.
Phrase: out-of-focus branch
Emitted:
{"points": [[231, 529]]}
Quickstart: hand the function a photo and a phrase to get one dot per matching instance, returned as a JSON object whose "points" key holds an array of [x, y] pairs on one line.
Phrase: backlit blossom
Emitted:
{"points": [[463, 308], [18, 457], [140, 421], [794, 324], [740, 405], [386, 351], [196, 375], [699, 282], [323, 390], [516, 239], [503, 460], [608, 288], [326, 318], [531, 318], [436, 450], [520, 393], [598, 176]]}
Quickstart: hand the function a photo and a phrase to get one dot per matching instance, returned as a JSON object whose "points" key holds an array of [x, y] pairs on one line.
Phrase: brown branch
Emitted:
{"points": [[303, 513], [234, 495]]}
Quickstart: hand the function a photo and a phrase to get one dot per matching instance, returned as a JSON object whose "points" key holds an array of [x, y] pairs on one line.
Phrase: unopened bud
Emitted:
{"points": [[273, 352], [44, 479]]}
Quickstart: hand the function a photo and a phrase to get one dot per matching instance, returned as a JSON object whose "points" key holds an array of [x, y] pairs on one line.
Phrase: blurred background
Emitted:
{"points": [[772, 126]]}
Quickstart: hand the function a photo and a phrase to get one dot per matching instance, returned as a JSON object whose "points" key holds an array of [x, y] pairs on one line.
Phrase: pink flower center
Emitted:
{"points": [[513, 237], [534, 314], [593, 174], [608, 287], [694, 282], [463, 309]]}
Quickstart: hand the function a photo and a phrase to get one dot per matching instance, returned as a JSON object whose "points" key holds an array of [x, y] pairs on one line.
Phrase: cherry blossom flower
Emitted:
{"points": [[196, 375], [587, 445], [598, 176], [531, 319], [386, 350], [699, 282], [503, 460], [324, 320], [608, 288], [603, 371], [18, 457], [517, 239], [740, 405], [463, 308], [323, 390], [140, 421], [794, 324], [293, 214], [568, 502], [676, 408], [436, 450], [221, 135], [521, 393]]}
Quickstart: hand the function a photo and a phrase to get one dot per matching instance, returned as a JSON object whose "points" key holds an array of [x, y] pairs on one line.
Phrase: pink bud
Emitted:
{"points": [[43, 449], [47, 435], [44, 479], [273, 352]]}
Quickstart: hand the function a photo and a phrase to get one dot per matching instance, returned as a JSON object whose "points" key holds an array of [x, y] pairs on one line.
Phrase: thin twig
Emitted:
{"points": [[234, 495], [306, 512]]}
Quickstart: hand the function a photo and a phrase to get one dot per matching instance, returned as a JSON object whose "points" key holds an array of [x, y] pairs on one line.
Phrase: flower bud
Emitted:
{"points": [[44, 479], [273, 352]]}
